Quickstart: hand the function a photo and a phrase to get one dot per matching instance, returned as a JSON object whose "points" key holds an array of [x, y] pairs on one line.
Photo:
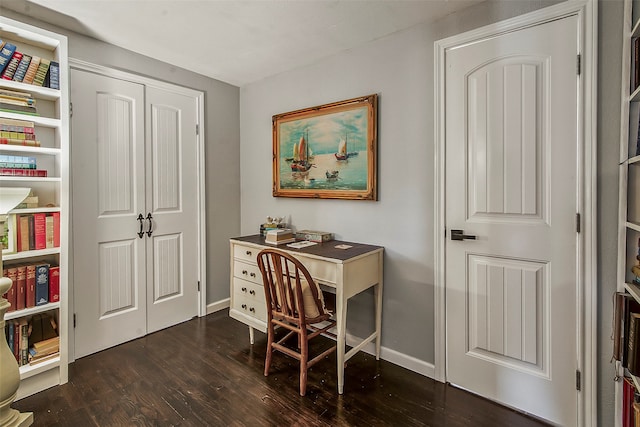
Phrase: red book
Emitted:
{"points": [[21, 287], [40, 230], [5, 273], [31, 286], [628, 391], [54, 284], [56, 229], [12, 273]]}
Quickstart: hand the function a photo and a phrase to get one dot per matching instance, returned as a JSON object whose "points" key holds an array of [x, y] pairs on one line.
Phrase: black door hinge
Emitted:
{"points": [[578, 221], [578, 380], [74, 320]]}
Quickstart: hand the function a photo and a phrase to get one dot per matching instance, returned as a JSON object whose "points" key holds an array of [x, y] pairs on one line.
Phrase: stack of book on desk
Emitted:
{"points": [[280, 236]]}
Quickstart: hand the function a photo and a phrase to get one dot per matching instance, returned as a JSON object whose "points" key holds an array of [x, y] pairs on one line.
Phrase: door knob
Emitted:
{"points": [[459, 235]]}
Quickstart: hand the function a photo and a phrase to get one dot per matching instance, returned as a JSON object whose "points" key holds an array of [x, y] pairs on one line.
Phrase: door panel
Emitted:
{"points": [[172, 250], [511, 180], [107, 150]]}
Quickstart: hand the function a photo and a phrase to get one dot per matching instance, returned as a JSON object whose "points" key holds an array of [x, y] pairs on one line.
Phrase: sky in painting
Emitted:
{"points": [[323, 133]]}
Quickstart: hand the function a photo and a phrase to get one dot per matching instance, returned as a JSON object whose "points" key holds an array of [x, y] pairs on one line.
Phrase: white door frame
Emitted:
{"points": [[200, 139], [586, 353]]}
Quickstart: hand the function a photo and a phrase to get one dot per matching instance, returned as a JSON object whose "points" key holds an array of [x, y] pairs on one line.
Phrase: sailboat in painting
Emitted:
{"points": [[342, 150], [300, 161]]}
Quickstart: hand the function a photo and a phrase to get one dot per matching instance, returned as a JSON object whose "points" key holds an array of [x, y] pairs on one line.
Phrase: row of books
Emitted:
{"points": [[17, 102], [18, 132], [33, 340], [31, 69], [20, 166], [34, 284], [17, 162], [32, 232]]}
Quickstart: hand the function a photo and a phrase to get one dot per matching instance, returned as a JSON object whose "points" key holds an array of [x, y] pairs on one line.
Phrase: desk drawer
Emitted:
{"points": [[248, 298], [322, 271], [248, 272], [246, 253]]}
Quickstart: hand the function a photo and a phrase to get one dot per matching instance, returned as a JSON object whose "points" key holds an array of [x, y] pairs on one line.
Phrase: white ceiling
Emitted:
{"points": [[237, 41]]}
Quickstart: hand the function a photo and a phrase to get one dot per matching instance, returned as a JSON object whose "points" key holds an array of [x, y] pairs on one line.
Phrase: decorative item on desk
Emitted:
{"points": [[280, 236], [273, 223], [314, 236]]}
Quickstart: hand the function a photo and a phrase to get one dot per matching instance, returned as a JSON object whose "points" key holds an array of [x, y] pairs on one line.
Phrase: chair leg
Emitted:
{"points": [[267, 362], [304, 356]]}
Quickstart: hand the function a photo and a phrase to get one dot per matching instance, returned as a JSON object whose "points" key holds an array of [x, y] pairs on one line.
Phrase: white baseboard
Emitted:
{"points": [[411, 363], [218, 305]]}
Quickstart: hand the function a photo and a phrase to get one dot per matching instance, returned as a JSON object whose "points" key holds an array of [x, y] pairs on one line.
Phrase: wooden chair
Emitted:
{"points": [[294, 302]]}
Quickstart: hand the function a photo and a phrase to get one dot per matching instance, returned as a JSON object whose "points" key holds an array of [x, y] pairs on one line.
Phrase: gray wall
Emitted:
{"points": [[222, 136], [610, 16], [400, 69]]}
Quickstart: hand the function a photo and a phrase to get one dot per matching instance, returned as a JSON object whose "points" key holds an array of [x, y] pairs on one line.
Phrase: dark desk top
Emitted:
{"points": [[326, 250]]}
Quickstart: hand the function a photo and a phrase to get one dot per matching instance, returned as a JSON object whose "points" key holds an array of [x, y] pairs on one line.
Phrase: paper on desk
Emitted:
{"points": [[343, 246], [302, 244]]}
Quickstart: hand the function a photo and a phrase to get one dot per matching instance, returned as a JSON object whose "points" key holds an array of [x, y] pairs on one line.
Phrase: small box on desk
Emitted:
{"points": [[314, 236]]}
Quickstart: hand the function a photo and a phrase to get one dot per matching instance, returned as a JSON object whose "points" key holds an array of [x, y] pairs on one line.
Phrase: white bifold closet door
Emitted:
{"points": [[135, 209]]}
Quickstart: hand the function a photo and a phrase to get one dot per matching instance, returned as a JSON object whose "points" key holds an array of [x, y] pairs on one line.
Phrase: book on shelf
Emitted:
{"points": [[22, 142], [54, 75], [31, 286], [41, 72], [17, 162], [12, 66], [18, 109], [22, 68], [56, 229], [31, 71], [42, 284], [40, 230], [38, 173], [6, 53], [23, 233], [21, 286], [618, 302], [633, 352], [16, 99], [24, 341], [11, 296], [54, 283]]}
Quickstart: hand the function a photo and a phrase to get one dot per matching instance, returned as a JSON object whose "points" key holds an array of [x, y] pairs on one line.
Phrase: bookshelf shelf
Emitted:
{"points": [[28, 371], [31, 311], [51, 127], [633, 226], [30, 150], [30, 254], [26, 179]]}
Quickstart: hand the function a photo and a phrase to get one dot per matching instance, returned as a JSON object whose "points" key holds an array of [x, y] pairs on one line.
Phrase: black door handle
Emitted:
{"points": [[140, 218], [459, 235]]}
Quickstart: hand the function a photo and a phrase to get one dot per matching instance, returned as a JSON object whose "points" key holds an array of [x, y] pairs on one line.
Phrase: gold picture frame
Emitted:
{"points": [[328, 151]]}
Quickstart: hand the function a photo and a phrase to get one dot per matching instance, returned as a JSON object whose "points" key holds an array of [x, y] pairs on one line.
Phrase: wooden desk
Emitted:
{"points": [[346, 271]]}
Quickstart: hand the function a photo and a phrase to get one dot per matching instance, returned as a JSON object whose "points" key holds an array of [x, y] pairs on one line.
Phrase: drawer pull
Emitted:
{"points": [[248, 253], [244, 306], [244, 272], [252, 292], [253, 310], [253, 275], [244, 289]]}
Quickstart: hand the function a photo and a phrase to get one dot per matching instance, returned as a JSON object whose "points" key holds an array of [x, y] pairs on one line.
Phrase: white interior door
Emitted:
{"points": [[172, 200], [108, 194], [511, 181]]}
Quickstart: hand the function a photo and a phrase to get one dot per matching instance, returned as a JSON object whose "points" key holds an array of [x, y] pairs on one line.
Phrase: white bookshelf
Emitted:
{"points": [[52, 129]]}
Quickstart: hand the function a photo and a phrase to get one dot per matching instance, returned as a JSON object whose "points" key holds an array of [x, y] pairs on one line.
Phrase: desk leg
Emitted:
{"points": [[377, 290], [341, 325], [251, 335]]}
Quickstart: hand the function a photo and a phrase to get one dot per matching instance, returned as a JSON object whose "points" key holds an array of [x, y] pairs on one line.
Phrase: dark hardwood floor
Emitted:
{"points": [[205, 373]]}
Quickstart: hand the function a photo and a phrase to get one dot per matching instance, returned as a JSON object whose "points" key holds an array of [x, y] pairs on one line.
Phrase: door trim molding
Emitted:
{"points": [[79, 64], [586, 280]]}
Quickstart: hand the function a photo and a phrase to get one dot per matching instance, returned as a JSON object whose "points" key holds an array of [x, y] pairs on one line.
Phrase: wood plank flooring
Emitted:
{"points": [[204, 372]]}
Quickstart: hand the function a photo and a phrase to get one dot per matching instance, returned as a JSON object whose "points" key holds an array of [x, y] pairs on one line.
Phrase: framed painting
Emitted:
{"points": [[328, 151]]}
